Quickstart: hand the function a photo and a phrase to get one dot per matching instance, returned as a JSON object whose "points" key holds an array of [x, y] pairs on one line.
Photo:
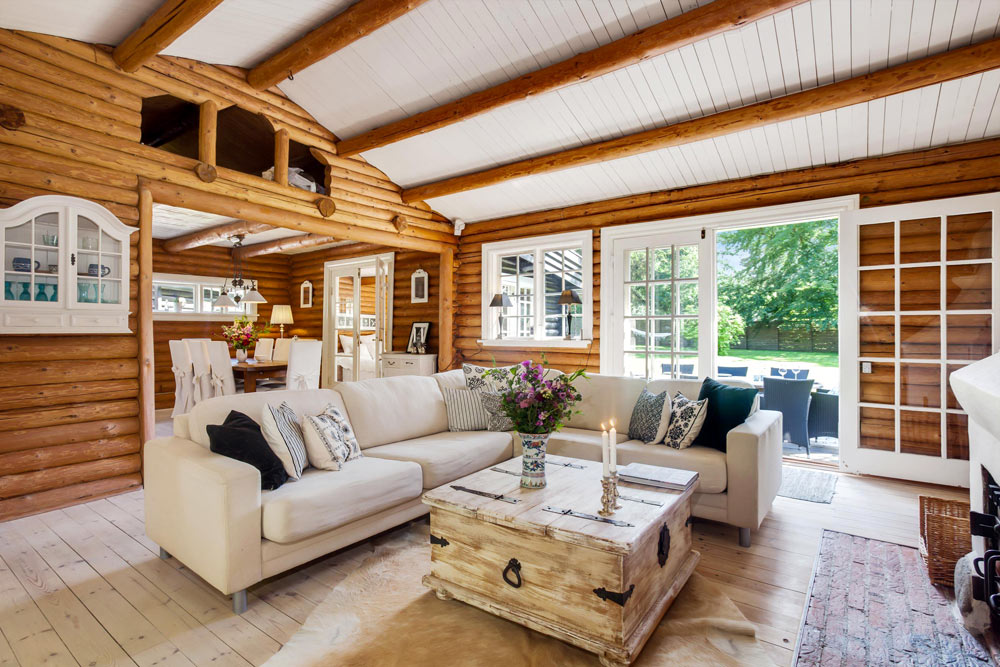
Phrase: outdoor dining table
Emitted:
{"points": [[252, 370]]}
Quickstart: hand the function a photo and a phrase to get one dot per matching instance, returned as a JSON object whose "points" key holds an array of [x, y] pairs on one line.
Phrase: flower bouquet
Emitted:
{"points": [[242, 334], [538, 407]]}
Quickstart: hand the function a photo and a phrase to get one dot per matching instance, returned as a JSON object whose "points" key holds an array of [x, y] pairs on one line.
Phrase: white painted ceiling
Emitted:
{"points": [[447, 48], [170, 222]]}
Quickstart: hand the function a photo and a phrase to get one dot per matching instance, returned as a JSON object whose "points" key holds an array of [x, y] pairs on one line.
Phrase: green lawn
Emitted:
{"points": [[824, 359]]}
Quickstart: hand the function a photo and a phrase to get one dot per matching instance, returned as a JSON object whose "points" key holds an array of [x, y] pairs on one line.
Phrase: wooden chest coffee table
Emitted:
{"points": [[599, 586]]}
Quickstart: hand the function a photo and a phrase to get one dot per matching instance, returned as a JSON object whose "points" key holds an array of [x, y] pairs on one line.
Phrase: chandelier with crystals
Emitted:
{"points": [[230, 294]]}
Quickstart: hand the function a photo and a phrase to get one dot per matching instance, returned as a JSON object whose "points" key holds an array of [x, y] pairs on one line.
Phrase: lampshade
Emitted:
{"points": [[253, 296], [500, 301], [224, 301], [569, 297], [281, 314]]}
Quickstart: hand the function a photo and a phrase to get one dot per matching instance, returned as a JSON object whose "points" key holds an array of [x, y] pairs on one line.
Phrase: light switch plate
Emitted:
{"points": [[866, 367]]}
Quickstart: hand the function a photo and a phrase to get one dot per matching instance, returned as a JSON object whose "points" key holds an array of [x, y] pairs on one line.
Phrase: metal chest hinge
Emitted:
{"points": [[663, 546], [440, 541], [618, 598]]}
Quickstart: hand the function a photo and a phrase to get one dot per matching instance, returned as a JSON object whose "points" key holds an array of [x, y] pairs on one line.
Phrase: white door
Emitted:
{"points": [[916, 302], [661, 310]]}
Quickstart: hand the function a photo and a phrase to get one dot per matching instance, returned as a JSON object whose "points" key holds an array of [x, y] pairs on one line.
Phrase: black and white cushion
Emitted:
{"points": [[280, 426], [465, 409], [686, 418], [650, 417], [497, 418], [476, 377], [330, 440]]}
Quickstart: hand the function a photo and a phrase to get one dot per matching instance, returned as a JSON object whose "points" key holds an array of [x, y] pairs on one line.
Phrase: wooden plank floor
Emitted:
{"points": [[84, 585]]}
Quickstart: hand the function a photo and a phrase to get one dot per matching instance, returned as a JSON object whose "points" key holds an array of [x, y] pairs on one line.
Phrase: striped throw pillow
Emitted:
{"points": [[465, 409], [280, 427], [330, 440]]}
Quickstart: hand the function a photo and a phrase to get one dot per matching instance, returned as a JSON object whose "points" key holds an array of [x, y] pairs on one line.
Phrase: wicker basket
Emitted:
{"points": [[944, 536]]}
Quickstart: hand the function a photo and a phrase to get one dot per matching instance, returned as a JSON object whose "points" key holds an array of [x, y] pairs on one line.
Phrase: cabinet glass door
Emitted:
{"points": [[32, 260], [99, 264]]}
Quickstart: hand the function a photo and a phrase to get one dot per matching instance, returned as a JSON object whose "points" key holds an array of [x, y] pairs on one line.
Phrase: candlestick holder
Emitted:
{"points": [[614, 485], [609, 492]]}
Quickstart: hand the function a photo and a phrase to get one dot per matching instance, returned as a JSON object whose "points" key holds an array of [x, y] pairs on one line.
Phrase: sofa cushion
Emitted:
{"points": [[453, 379], [323, 500], [650, 417], [392, 409], [239, 437], [709, 463], [465, 409], [728, 407], [606, 397], [280, 427], [578, 443], [329, 439], [214, 410], [686, 420], [444, 457]]}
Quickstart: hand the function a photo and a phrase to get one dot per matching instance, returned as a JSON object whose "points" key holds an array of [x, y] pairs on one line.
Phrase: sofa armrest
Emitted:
{"points": [[753, 468], [205, 509]]}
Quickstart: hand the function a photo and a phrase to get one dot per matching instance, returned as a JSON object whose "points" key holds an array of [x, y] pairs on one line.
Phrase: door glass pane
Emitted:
{"points": [[920, 385], [635, 365], [687, 298], [662, 329], [920, 433], [876, 244], [660, 365], [636, 300], [662, 300], [687, 262], [637, 265], [969, 236], [661, 261], [879, 386], [920, 337], [970, 287], [688, 334], [920, 240], [877, 336], [687, 367], [969, 336], [636, 333], [920, 288], [877, 290], [878, 429]]}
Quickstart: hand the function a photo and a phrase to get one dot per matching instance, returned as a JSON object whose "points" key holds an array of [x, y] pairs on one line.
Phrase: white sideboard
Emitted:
{"points": [[401, 363]]}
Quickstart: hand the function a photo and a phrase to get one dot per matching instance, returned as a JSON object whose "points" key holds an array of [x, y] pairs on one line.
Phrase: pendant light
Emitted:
{"points": [[238, 282]]}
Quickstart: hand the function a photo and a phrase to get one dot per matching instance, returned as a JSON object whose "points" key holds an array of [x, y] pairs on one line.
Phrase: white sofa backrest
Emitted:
{"points": [[606, 397], [454, 379], [689, 388], [384, 410], [215, 410]]}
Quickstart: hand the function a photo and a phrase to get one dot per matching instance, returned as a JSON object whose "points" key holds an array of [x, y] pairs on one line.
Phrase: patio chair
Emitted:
{"points": [[791, 398], [790, 373], [824, 415], [734, 371], [686, 369]]}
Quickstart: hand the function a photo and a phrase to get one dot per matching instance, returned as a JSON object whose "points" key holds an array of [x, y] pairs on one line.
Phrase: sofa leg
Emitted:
{"points": [[744, 537], [240, 601], [164, 554]]}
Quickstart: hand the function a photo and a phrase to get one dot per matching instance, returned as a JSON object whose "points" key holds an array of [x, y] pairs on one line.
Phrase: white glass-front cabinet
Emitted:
{"points": [[65, 267]]}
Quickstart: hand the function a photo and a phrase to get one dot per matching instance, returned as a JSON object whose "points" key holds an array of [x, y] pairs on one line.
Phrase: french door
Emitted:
{"points": [[662, 306], [917, 301]]}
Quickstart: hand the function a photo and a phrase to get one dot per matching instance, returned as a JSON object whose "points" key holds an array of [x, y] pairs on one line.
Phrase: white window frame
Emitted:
{"points": [[198, 282], [615, 239], [537, 245]]}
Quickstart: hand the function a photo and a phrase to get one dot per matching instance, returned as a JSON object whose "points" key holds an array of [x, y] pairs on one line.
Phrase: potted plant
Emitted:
{"points": [[538, 407], [242, 334]]}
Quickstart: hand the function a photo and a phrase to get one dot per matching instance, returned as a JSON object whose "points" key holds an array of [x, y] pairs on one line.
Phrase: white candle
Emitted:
{"points": [[604, 450], [614, 448]]}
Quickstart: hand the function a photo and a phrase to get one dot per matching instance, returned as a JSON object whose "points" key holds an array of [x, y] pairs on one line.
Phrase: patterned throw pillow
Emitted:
{"points": [[686, 418], [650, 417], [476, 378], [498, 419], [280, 426], [465, 409], [330, 440]]}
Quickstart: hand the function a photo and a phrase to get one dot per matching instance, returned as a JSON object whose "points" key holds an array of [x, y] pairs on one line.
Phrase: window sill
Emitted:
{"points": [[199, 317], [527, 344]]}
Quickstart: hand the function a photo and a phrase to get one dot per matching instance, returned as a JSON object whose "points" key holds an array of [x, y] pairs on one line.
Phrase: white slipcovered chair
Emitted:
{"points": [[223, 381], [202, 380], [281, 347], [180, 364], [303, 364], [263, 349]]}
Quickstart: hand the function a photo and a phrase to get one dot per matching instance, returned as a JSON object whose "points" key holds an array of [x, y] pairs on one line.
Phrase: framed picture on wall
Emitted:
{"points": [[418, 286], [417, 344], [306, 294]]}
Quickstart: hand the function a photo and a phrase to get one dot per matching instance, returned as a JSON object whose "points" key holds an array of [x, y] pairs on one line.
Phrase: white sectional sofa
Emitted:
{"points": [[209, 512]]}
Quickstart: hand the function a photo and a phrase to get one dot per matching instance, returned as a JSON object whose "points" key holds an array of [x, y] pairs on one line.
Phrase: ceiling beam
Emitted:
{"points": [[894, 80], [284, 245], [687, 28], [212, 235], [358, 20], [170, 21]]}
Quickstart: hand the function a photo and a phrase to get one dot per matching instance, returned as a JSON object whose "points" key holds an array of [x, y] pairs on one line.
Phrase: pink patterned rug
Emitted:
{"points": [[871, 603]]}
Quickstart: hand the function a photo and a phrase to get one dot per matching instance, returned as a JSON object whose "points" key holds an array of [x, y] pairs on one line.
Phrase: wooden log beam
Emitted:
{"points": [[208, 124], [446, 309], [281, 156], [211, 235], [185, 197], [284, 245], [74, 494], [147, 392], [170, 21], [892, 81], [697, 24], [358, 20], [11, 118]]}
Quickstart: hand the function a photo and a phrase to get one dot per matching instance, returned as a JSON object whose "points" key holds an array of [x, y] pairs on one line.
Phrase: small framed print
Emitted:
{"points": [[417, 344], [306, 295], [418, 286]]}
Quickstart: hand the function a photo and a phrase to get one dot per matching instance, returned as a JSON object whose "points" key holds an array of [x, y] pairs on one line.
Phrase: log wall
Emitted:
{"points": [[71, 125], [922, 175]]}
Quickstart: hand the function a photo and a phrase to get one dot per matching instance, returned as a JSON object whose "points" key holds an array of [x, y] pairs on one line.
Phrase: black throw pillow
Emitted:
{"points": [[728, 407], [239, 438]]}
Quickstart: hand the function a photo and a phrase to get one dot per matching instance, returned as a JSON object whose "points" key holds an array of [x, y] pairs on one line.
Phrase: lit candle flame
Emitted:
{"points": [[602, 427]]}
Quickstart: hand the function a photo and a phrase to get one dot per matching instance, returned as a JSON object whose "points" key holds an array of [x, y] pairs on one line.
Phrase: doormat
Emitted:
{"points": [[815, 486]]}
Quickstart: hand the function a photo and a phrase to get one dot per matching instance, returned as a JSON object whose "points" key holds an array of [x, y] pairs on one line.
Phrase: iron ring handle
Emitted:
{"points": [[979, 562], [515, 567]]}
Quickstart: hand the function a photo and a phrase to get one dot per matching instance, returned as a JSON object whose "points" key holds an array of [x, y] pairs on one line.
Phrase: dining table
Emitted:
{"points": [[252, 370]]}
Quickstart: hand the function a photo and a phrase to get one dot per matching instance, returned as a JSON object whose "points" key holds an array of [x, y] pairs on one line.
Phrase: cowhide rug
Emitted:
{"points": [[382, 615]]}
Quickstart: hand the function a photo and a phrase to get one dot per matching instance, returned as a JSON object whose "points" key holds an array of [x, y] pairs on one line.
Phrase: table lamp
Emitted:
{"points": [[568, 298], [500, 301], [281, 315]]}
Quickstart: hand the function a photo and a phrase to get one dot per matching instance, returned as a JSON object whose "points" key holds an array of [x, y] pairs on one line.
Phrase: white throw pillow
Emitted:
{"points": [[330, 440], [347, 342], [368, 340], [476, 377], [465, 409], [280, 427], [686, 419]]}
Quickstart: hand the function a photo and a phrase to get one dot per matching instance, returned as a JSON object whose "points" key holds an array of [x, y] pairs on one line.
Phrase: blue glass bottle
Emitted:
{"points": [[40, 293], [8, 291], [25, 294]]}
